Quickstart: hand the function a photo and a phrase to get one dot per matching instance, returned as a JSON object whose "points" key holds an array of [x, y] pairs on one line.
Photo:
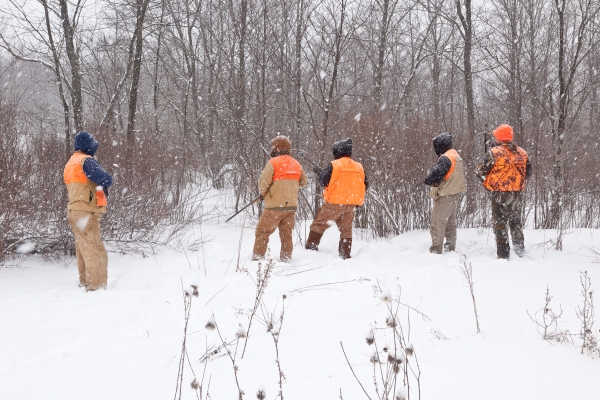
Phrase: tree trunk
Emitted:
{"points": [[56, 60], [436, 70], [298, 56], [155, 83], [135, 79], [74, 62], [241, 95], [514, 87], [467, 33], [327, 106], [467, 25], [559, 133], [381, 48]]}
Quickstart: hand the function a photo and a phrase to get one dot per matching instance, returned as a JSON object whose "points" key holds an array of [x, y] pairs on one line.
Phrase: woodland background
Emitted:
{"points": [[184, 97]]}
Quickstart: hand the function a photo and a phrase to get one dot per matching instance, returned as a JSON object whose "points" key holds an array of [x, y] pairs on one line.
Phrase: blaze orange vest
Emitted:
{"points": [[508, 172], [82, 192], [452, 156], [74, 169], [285, 167], [347, 183]]}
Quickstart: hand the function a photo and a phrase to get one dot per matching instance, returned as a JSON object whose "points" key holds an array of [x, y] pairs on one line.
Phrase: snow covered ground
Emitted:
{"points": [[59, 342]]}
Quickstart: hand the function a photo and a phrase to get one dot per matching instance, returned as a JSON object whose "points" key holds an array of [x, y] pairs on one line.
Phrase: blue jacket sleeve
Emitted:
{"points": [[439, 171], [96, 173]]}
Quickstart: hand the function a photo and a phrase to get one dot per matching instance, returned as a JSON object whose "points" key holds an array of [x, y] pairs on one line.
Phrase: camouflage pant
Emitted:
{"points": [[507, 208]]}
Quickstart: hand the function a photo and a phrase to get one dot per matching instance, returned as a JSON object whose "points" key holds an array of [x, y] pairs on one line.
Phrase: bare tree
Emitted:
{"points": [[45, 33], [140, 6], [387, 8], [566, 71], [464, 12], [74, 61]]}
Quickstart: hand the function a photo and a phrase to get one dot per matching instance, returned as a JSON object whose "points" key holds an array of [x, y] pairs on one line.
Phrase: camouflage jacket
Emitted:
{"points": [[484, 167]]}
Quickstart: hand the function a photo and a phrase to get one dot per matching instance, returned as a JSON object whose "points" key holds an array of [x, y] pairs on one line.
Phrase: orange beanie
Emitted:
{"points": [[504, 133]]}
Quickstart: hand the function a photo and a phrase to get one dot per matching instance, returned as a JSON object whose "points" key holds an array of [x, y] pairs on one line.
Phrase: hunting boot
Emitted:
{"points": [[312, 243], [503, 249], [449, 247], [519, 248], [344, 248], [436, 249]]}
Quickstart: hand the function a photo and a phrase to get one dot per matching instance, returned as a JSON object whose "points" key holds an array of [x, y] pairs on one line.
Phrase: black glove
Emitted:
{"points": [[105, 191]]}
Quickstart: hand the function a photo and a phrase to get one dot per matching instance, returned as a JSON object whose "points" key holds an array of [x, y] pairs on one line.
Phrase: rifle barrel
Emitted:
{"points": [[246, 206]]}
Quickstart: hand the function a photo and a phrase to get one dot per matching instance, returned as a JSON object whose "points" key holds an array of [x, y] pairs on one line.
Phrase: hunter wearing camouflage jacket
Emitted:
{"points": [[505, 169]]}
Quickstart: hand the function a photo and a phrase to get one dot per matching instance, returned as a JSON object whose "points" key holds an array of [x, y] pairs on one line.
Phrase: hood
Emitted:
{"points": [[442, 143], [343, 148], [86, 143]]}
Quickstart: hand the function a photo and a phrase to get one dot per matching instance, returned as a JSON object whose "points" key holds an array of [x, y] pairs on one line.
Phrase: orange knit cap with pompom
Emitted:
{"points": [[504, 133]]}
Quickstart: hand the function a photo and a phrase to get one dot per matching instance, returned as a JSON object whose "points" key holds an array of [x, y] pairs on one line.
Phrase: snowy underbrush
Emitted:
{"points": [[138, 221], [141, 224], [153, 202]]}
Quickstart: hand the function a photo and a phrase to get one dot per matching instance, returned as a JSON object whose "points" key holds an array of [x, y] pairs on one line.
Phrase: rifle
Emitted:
{"points": [[485, 149], [481, 178], [247, 205]]}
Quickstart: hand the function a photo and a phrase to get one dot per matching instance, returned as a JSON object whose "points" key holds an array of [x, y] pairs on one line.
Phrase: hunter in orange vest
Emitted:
{"points": [[345, 184], [87, 186], [278, 185], [448, 183], [505, 168]]}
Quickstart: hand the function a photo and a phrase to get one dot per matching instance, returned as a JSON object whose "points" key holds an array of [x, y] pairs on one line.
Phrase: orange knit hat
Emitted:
{"points": [[504, 133]]}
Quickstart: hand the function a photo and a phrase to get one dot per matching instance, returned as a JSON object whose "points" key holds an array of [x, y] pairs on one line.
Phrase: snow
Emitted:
{"points": [[25, 248], [386, 295], [82, 222], [211, 323], [60, 342], [241, 332]]}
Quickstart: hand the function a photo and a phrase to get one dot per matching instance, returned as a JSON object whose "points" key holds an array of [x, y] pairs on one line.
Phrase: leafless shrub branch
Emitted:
{"points": [[585, 313], [263, 274], [232, 354], [394, 375], [187, 306], [274, 325], [546, 321], [466, 268]]}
